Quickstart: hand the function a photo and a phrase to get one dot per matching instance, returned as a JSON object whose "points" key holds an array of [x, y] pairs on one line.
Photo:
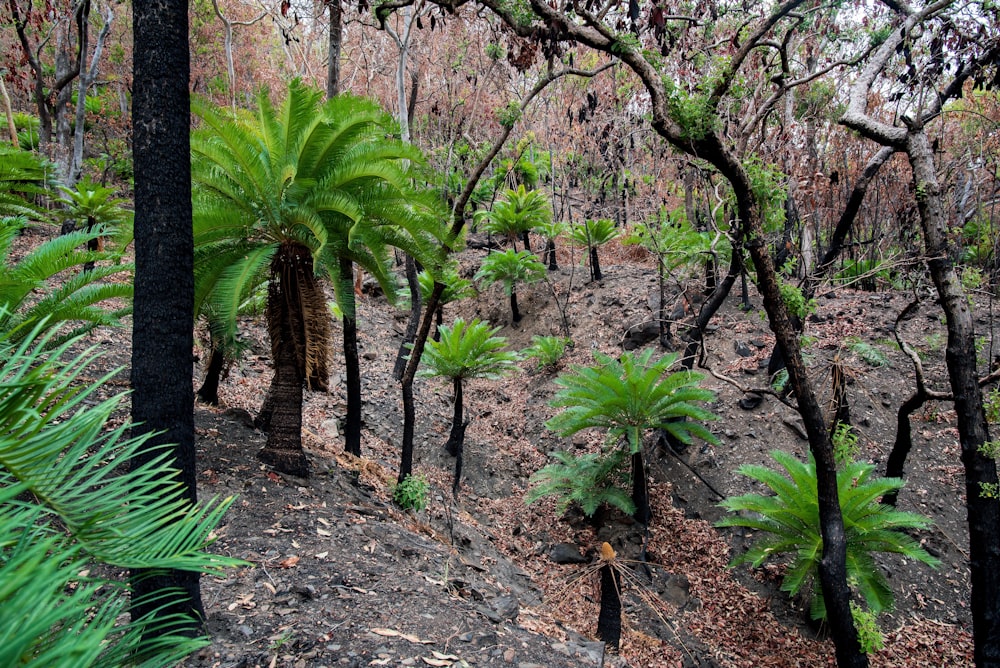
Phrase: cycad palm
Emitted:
{"points": [[509, 268], [519, 212], [789, 523], [628, 396], [77, 304], [465, 351], [94, 204], [23, 175], [592, 234], [292, 189]]}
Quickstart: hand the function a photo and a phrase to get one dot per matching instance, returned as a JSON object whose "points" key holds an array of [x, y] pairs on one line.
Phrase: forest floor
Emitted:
{"points": [[339, 576]]}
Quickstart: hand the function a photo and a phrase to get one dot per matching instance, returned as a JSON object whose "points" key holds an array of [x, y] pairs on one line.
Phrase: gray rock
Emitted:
{"points": [[566, 553]]}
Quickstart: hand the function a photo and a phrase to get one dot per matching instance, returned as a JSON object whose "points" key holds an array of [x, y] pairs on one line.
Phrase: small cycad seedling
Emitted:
{"points": [[588, 481], [789, 522], [547, 350], [869, 354]]}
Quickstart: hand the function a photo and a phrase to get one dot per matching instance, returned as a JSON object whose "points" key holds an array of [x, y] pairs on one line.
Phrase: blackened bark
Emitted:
{"points": [[416, 304], [457, 434], [710, 307], [904, 442], [960, 356], [640, 490], [516, 314], [352, 371], [595, 264], [209, 390], [162, 335], [609, 619], [550, 255]]}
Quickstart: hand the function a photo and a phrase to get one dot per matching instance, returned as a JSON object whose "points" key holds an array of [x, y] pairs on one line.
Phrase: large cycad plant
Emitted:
{"points": [[293, 192], [628, 396], [519, 212]]}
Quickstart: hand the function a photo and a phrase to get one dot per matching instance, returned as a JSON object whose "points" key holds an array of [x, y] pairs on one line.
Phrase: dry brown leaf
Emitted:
{"points": [[288, 562], [435, 662]]}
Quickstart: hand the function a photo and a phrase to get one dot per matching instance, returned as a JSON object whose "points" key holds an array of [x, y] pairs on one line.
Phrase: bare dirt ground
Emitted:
{"points": [[338, 576]]}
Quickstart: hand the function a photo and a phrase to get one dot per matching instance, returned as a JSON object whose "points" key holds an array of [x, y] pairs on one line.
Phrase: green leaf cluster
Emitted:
{"points": [[68, 500], [511, 267], [468, 350], [78, 304], [788, 520], [23, 174], [547, 350], [631, 394], [593, 233], [589, 481], [412, 493], [518, 211]]}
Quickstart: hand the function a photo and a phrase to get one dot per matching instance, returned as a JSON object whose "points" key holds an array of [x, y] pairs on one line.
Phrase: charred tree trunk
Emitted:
{"points": [[609, 619], [549, 256], [352, 369], [904, 442], [457, 435], [162, 336], [960, 356], [640, 490], [515, 312], [209, 390], [595, 264], [416, 304], [336, 41]]}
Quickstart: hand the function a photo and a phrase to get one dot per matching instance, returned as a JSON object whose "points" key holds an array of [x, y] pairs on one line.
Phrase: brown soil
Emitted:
{"points": [[338, 576]]}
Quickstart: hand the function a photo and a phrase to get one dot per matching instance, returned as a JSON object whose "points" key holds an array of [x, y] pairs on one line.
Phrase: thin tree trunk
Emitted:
{"points": [[903, 443], [513, 307], [336, 41], [352, 370], [457, 435], [595, 264], [9, 113], [416, 304]]}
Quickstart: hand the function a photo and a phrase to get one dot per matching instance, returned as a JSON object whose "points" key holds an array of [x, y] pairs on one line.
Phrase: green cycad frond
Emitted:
{"points": [[510, 268], [23, 174], [468, 350], [591, 233], [789, 520], [588, 480], [519, 211], [82, 505], [628, 396], [75, 302]]}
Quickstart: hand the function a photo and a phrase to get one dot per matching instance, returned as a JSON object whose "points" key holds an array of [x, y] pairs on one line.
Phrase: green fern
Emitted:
{"points": [[23, 175], [68, 500], [871, 355], [79, 304], [589, 481], [547, 350], [789, 523]]}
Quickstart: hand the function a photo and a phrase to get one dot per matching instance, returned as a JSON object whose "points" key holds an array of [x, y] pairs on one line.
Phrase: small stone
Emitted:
{"points": [[742, 349], [508, 655], [566, 553]]}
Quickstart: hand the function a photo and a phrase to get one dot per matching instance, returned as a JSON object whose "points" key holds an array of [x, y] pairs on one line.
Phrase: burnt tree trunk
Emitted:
{"points": [[609, 619], [416, 304], [457, 435], [352, 368], [162, 336], [903, 443], [640, 490], [960, 356], [515, 312], [209, 390], [595, 265]]}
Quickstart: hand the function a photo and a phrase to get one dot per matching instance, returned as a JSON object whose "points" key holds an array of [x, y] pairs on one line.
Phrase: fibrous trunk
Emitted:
{"points": [[609, 619], [209, 390]]}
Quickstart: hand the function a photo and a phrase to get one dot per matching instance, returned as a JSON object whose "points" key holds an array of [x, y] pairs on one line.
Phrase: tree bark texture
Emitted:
{"points": [[352, 368], [609, 618], [515, 312], [209, 390], [960, 356], [336, 41], [162, 335]]}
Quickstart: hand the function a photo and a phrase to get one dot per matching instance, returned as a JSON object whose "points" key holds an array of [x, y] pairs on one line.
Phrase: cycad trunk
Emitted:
{"points": [[595, 265], [283, 450], [550, 255], [352, 368], [516, 313], [209, 390], [457, 435], [609, 619]]}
